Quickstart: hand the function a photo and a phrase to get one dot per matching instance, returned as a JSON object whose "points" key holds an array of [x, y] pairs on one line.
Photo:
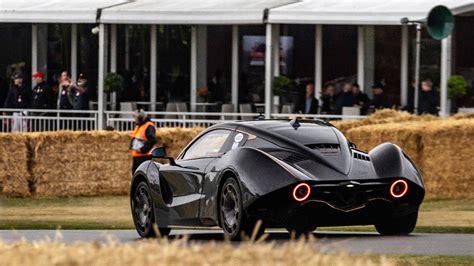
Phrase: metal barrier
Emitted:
{"points": [[123, 120], [33, 120]]}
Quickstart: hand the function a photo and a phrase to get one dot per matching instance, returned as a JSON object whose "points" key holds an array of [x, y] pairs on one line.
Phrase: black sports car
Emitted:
{"points": [[289, 174]]}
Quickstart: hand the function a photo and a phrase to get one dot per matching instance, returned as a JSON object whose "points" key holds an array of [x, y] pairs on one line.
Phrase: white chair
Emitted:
{"points": [[350, 111], [127, 107], [171, 107], [246, 108], [228, 108], [287, 109]]}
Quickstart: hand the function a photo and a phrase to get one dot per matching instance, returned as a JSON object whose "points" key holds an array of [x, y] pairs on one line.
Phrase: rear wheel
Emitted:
{"points": [[143, 212], [403, 225], [232, 216]]}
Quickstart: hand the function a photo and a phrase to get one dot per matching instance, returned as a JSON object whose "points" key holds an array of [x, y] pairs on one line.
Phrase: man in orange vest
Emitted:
{"points": [[143, 139]]}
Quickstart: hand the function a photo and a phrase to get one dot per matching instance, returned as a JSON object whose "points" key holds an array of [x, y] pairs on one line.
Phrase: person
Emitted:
{"points": [[143, 139], [79, 92], [381, 100], [346, 99], [42, 95], [18, 97], [329, 100], [360, 98], [66, 88], [428, 99], [309, 105]]}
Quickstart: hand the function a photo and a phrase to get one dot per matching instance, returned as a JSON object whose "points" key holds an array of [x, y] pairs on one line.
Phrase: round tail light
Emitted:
{"points": [[399, 188], [301, 192]]}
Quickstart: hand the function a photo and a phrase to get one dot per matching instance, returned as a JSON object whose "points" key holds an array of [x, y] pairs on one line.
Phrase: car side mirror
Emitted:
{"points": [[352, 145], [160, 153]]}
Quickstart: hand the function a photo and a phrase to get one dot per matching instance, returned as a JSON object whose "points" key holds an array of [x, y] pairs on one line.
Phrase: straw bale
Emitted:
{"points": [[383, 116], [448, 161], [71, 163], [14, 174]]}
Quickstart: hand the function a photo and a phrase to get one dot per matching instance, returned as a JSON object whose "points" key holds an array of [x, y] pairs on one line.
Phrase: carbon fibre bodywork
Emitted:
{"points": [[348, 186]]}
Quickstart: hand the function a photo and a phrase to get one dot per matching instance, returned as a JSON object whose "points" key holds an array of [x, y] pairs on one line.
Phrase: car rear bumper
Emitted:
{"points": [[337, 204]]}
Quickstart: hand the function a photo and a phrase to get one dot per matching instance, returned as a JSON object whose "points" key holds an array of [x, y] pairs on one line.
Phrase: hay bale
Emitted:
{"points": [[71, 163], [383, 116], [92, 163], [448, 163], [14, 174]]}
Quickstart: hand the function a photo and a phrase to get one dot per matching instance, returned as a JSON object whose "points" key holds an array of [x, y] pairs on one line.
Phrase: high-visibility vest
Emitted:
{"points": [[139, 138]]}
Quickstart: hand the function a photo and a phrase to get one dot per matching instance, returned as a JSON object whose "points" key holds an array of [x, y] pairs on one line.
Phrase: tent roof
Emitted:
{"points": [[361, 12], [52, 11], [191, 11]]}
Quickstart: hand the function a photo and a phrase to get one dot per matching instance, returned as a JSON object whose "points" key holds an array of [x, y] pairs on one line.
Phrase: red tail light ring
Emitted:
{"points": [[399, 188], [301, 192]]}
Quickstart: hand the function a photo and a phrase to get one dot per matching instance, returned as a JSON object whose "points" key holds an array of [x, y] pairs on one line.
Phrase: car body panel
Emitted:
{"points": [[269, 158]]}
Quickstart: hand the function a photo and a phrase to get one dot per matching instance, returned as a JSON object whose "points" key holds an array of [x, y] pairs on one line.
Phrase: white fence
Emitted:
{"points": [[51, 120], [31, 120]]}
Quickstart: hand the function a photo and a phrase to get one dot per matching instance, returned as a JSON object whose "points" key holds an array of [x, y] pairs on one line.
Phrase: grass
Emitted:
{"points": [[436, 216], [183, 252]]}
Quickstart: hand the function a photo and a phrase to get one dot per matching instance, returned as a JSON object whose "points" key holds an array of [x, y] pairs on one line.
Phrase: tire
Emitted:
{"points": [[143, 212], [403, 225], [232, 217]]}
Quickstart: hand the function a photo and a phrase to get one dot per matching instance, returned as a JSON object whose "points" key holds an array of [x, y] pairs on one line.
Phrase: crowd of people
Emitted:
{"points": [[67, 95], [332, 100]]}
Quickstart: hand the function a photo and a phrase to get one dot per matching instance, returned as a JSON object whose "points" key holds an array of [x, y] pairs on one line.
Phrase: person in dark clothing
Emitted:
{"points": [[19, 96], [81, 99], [143, 139], [42, 96], [346, 99], [308, 105], [381, 100], [361, 99], [66, 88], [428, 100], [328, 100]]}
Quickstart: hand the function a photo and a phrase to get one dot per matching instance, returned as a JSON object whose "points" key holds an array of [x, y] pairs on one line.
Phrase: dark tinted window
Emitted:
{"points": [[209, 145]]}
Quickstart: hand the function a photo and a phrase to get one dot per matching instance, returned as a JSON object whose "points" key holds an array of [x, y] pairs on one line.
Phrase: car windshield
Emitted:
{"points": [[208, 145]]}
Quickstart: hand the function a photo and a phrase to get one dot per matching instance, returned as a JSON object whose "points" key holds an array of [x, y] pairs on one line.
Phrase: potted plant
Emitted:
{"points": [[457, 88], [113, 83], [281, 86]]}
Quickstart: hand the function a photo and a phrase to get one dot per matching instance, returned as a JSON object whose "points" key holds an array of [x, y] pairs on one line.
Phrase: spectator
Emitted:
{"points": [[381, 100], [18, 97], [42, 97], [308, 105], [361, 99], [329, 100], [346, 99], [428, 99], [81, 99], [66, 88]]}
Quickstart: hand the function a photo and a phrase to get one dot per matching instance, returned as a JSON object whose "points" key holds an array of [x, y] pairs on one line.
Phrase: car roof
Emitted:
{"points": [[273, 124]]}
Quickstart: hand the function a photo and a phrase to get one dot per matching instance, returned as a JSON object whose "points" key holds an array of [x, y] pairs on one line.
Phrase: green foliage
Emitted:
{"points": [[281, 85], [113, 83], [457, 87]]}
